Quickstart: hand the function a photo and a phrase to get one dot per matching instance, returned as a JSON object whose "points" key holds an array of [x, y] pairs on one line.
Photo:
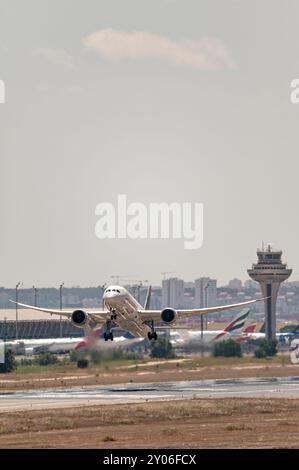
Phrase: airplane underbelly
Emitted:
{"points": [[128, 319]]}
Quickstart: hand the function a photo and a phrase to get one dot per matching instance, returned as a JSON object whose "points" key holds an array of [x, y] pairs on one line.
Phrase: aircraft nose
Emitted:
{"points": [[109, 295]]}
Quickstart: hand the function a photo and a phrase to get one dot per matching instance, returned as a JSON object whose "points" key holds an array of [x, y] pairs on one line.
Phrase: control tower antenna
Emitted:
{"points": [[269, 272]]}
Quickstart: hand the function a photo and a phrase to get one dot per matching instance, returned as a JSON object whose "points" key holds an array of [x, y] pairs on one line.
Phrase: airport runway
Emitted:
{"points": [[79, 396]]}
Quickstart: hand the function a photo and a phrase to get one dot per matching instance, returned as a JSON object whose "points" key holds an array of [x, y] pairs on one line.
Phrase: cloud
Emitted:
{"points": [[55, 56], [202, 54]]}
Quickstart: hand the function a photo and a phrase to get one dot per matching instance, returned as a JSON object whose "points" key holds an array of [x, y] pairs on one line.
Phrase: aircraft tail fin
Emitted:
{"points": [[263, 328], [91, 337], [147, 302], [238, 323], [250, 328]]}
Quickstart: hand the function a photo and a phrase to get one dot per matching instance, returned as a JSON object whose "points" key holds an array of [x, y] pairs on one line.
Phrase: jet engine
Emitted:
{"points": [[168, 315], [79, 318]]}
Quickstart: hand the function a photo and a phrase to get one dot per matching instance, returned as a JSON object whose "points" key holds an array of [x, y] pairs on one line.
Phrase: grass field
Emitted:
{"points": [[121, 371], [186, 363]]}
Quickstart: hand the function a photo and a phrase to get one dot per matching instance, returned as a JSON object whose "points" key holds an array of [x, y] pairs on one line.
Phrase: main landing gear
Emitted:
{"points": [[152, 334], [108, 335]]}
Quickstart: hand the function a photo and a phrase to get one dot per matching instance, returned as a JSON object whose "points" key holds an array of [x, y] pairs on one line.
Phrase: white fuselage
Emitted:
{"points": [[56, 345], [280, 337], [192, 337], [117, 298], [210, 335]]}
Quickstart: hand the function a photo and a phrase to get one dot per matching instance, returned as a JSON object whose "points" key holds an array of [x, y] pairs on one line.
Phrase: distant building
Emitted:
{"points": [[189, 284], [250, 284], [4, 298], [188, 301], [205, 292], [235, 284], [172, 292]]}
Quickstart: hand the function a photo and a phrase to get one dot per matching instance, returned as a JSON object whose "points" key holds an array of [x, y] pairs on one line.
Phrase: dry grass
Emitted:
{"points": [[195, 423], [125, 372]]}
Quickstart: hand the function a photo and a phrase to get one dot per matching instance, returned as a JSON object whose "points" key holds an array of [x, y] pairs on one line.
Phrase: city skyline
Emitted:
{"points": [[188, 295], [231, 283]]}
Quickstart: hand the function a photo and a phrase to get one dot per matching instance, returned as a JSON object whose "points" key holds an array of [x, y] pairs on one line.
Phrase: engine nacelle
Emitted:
{"points": [[168, 315], [79, 318]]}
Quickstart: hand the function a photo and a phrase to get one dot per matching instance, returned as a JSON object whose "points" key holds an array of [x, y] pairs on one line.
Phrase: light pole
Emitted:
{"points": [[206, 302], [17, 309], [35, 291], [201, 335], [201, 319], [60, 301]]}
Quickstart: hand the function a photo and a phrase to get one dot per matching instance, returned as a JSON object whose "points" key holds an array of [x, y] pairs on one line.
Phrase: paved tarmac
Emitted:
{"points": [[287, 387]]}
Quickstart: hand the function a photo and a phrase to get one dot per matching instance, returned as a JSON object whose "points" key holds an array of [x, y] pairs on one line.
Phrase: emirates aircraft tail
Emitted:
{"points": [[90, 339], [245, 334], [250, 328], [238, 323], [235, 327]]}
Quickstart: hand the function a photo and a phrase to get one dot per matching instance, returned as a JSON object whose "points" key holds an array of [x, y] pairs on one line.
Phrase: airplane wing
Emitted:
{"points": [[155, 315], [96, 315]]}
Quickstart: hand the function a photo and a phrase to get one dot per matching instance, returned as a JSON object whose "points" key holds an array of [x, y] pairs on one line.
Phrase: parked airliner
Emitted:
{"points": [[123, 311], [91, 340], [284, 338], [233, 330]]}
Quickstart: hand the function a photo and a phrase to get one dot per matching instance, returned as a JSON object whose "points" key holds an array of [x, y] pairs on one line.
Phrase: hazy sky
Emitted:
{"points": [[161, 100]]}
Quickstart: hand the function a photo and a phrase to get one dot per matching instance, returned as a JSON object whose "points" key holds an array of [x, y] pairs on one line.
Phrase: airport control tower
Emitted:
{"points": [[270, 272]]}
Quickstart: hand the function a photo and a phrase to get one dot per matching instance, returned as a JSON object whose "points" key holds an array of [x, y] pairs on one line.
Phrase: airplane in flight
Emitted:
{"points": [[122, 311]]}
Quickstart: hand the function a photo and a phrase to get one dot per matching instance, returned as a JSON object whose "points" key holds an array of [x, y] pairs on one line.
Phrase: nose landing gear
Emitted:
{"points": [[113, 314]]}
